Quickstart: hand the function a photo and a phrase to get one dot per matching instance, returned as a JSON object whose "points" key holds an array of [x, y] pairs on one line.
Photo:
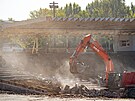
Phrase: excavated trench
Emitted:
{"points": [[48, 74]]}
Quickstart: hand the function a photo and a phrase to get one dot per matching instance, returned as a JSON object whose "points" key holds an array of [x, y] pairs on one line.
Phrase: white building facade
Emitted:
{"points": [[124, 43]]}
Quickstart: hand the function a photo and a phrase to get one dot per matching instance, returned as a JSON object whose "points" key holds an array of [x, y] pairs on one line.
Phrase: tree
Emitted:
{"points": [[42, 12], [66, 10], [132, 10], [83, 14], [107, 8], [60, 13], [1, 20], [97, 8], [10, 19], [72, 10]]}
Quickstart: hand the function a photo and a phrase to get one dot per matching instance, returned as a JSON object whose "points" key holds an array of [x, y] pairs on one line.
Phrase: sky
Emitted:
{"points": [[20, 9]]}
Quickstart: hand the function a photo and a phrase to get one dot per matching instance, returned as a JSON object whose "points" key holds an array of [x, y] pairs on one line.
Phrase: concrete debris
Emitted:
{"points": [[75, 89], [29, 87], [19, 89], [66, 90], [57, 90], [84, 91], [40, 87]]}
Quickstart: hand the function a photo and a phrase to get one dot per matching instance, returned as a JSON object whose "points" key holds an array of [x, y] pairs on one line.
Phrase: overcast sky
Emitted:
{"points": [[20, 9]]}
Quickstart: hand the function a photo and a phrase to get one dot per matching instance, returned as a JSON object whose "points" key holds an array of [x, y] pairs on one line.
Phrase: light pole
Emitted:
{"points": [[53, 6]]}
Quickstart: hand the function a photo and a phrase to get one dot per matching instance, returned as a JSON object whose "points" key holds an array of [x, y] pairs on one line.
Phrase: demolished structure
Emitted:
{"points": [[61, 35]]}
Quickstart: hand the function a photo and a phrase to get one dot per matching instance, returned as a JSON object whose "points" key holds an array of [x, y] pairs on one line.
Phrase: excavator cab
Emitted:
{"points": [[114, 80]]}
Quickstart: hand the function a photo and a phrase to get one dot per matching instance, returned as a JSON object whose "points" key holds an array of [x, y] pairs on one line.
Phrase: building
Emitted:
{"points": [[67, 32]]}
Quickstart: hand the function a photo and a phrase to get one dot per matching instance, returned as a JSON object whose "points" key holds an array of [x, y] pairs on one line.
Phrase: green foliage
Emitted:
{"points": [[1, 20], [83, 14], [98, 8], [107, 8], [10, 19], [42, 12], [60, 13], [72, 10]]}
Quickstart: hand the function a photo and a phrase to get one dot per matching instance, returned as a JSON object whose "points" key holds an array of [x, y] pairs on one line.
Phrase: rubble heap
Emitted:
{"points": [[51, 89], [84, 91]]}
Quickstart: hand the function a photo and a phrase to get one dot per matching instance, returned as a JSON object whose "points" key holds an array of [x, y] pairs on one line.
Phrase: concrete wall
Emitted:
{"points": [[124, 43]]}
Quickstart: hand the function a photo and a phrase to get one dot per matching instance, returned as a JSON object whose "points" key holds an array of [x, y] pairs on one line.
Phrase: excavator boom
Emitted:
{"points": [[79, 49]]}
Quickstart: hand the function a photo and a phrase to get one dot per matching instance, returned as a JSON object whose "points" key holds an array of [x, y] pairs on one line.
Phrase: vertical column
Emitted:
{"points": [[35, 45], [67, 44]]}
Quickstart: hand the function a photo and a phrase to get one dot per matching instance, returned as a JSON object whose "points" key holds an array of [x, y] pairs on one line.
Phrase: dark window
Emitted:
{"points": [[124, 43]]}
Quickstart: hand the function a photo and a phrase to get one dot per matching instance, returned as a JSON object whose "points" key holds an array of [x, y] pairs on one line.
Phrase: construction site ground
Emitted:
{"points": [[45, 76], [11, 97]]}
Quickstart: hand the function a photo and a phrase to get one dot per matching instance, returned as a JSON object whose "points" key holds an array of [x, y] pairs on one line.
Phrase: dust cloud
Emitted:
{"points": [[64, 76], [55, 67], [44, 66]]}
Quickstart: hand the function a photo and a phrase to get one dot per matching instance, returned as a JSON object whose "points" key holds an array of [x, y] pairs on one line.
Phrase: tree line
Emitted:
{"points": [[97, 8]]}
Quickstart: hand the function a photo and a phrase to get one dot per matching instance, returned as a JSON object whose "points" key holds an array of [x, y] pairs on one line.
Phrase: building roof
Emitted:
{"points": [[63, 25]]}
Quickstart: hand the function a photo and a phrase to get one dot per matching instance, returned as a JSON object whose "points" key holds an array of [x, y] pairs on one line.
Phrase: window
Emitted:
{"points": [[124, 43]]}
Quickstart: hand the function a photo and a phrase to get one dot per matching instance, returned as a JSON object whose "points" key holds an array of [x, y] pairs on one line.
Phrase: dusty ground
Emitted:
{"points": [[55, 67], [7, 97]]}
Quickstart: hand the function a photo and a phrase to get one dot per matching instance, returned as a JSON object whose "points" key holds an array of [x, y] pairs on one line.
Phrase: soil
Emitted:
{"points": [[7, 97], [50, 71]]}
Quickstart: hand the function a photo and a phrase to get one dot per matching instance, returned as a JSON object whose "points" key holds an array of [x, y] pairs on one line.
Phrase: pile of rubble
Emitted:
{"points": [[51, 89], [84, 91], [30, 86]]}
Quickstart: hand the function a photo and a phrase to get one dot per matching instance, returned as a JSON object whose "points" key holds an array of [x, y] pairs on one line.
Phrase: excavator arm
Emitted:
{"points": [[88, 41], [79, 49]]}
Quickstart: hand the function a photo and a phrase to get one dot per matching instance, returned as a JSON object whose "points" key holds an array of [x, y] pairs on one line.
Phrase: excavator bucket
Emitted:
{"points": [[73, 68], [77, 67]]}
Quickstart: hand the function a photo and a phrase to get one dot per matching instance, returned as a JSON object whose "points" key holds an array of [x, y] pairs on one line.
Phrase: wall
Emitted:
{"points": [[124, 43]]}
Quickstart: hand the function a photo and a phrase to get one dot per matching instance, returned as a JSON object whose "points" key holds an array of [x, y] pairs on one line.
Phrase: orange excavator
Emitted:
{"points": [[113, 80]]}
